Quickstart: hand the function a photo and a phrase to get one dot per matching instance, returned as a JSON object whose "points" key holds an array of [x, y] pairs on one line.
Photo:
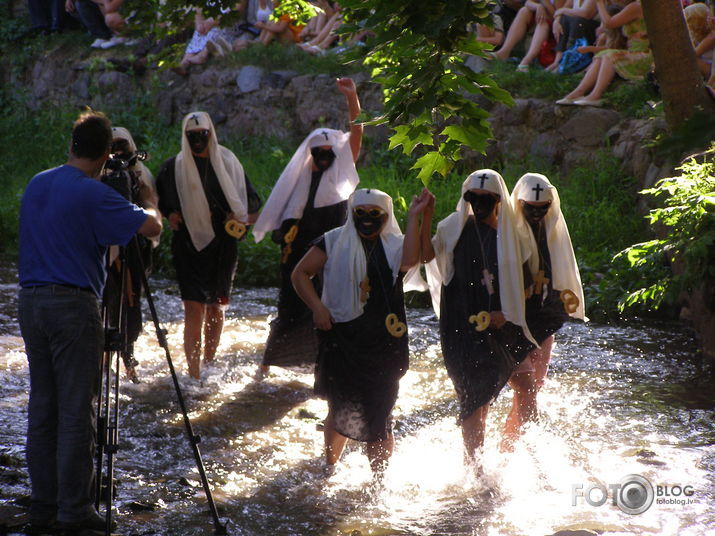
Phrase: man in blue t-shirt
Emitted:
{"points": [[68, 218]]}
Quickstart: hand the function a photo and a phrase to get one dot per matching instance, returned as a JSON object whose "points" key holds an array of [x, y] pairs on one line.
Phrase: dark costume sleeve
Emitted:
{"points": [[254, 200], [166, 188]]}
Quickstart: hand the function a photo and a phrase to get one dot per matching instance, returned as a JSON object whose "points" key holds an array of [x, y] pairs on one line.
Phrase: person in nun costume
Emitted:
{"points": [[309, 199], [124, 148], [361, 319], [556, 293], [476, 279], [208, 200]]}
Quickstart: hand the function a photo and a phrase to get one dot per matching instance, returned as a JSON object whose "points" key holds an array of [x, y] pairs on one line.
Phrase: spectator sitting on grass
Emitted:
{"points": [[208, 39], [90, 16], [575, 20], [537, 14]]}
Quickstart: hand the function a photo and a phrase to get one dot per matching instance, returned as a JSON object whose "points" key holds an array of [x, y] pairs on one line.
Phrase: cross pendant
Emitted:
{"points": [[487, 281], [364, 289], [540, 280]]}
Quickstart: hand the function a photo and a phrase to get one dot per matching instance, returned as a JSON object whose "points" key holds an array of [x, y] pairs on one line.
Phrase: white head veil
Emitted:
{"points": [[511, 276], [194, 206], [534, 187], [145, 176], [346, 266], [290, 193]]}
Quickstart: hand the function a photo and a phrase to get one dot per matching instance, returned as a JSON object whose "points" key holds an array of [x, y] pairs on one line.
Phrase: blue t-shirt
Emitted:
{"points": [[67, 220]]}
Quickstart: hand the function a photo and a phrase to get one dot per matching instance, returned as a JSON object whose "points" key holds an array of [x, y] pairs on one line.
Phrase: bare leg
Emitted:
{"points": [[379, 452], [554, 67], [516, 33], [605, 76], [473, 431], [541, 362], [193, 320], [541, 34], [523, 407], [588, 80], [334, 441], [213, 327]]}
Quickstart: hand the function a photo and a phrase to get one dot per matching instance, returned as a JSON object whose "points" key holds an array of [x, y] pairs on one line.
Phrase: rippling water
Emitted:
{"points": [[618, 401]]}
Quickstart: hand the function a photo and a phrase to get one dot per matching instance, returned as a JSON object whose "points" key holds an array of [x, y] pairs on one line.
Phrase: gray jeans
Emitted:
{"points": [[64, 341]]}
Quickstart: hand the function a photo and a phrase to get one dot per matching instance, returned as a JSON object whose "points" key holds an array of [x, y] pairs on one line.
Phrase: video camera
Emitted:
{"points": [[117, 173]]}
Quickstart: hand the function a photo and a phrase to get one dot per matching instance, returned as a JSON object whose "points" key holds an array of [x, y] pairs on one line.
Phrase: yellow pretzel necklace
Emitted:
{"points": [[235, 228]]}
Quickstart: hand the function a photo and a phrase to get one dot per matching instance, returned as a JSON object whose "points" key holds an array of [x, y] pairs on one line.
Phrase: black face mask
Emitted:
{"points": [[368, 222], [323, 158], [198, 140], [533, 213], [482, 204]]}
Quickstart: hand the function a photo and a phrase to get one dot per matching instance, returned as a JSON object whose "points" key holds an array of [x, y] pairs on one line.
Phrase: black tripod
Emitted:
{"points": [[118, 346]]}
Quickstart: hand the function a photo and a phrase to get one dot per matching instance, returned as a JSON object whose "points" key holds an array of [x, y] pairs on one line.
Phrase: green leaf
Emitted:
{"points": [[429, 164]]}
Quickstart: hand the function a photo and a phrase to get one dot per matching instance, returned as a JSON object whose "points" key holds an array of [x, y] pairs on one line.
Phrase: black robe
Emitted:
{"points": [[292, 340], [359, 363], [545, 312], [479, 363], [204, 276]]}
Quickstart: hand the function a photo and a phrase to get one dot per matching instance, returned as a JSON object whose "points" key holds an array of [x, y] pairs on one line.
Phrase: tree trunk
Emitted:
{"points": [[681, 84]]}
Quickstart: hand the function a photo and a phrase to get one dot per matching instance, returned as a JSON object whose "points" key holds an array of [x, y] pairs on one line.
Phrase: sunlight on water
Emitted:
{"points": [[610, 408]]}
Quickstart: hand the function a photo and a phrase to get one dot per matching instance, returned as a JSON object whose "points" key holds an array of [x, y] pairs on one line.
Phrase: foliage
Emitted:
{"points": [[687, 215], [417, 53]]}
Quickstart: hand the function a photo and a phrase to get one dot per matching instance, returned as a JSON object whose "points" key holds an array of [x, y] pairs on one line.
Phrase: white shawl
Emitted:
{"points": [[564, 268], [290, 194], [346, 266], [194, 206]]}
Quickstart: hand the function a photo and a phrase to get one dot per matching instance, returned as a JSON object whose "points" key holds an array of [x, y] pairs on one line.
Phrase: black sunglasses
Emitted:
{"points": [[373, 212]]}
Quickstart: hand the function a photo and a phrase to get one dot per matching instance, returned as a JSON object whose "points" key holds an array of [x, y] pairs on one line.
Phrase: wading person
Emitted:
{"points": [[208, 200], [68, 218], [309, 199], [137, 184], [555, 295], [476, 279], [361, 319]]}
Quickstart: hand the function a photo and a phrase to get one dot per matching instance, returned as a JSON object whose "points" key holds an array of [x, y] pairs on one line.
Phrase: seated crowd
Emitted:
{"points": [[603, 38]]}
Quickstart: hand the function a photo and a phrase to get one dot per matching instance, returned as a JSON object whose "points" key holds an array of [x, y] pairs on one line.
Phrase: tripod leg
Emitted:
{"points": [[194, 440]]}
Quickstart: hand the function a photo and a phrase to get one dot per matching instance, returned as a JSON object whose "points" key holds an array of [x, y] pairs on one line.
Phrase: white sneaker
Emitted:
{"points": [[97, 43], [114, 41]]}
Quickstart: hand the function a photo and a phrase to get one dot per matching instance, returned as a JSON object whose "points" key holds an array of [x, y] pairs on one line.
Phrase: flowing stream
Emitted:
{"points": [[618, 401]]}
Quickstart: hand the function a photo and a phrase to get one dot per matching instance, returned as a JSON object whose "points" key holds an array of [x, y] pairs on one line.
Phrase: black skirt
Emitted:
{"points": [[360, 364]]}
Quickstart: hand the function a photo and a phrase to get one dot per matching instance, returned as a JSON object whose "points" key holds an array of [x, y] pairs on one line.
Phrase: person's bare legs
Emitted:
{"points": [[588, 80], [193, 322], [379, 452], [516, 33], [523, 408], [554, 67], [473, 428], [213, 327], [541, 362], [606, 74], [541, 34], [334, 441]]}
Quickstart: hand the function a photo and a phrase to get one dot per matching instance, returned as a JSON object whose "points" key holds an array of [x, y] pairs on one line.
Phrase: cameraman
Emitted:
{"points": [[126, 173], [67, 220]]}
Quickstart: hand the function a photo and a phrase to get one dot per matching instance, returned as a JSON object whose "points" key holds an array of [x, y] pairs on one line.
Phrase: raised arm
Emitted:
{"points": [[346, 86], [413, 232]]}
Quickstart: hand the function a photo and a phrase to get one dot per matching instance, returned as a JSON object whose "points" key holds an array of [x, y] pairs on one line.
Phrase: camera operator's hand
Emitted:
{"points": [[175, 220], [147, 196]]}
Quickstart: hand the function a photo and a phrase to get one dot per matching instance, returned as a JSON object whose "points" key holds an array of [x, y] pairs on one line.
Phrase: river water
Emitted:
{"points": [[618, 401]]}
